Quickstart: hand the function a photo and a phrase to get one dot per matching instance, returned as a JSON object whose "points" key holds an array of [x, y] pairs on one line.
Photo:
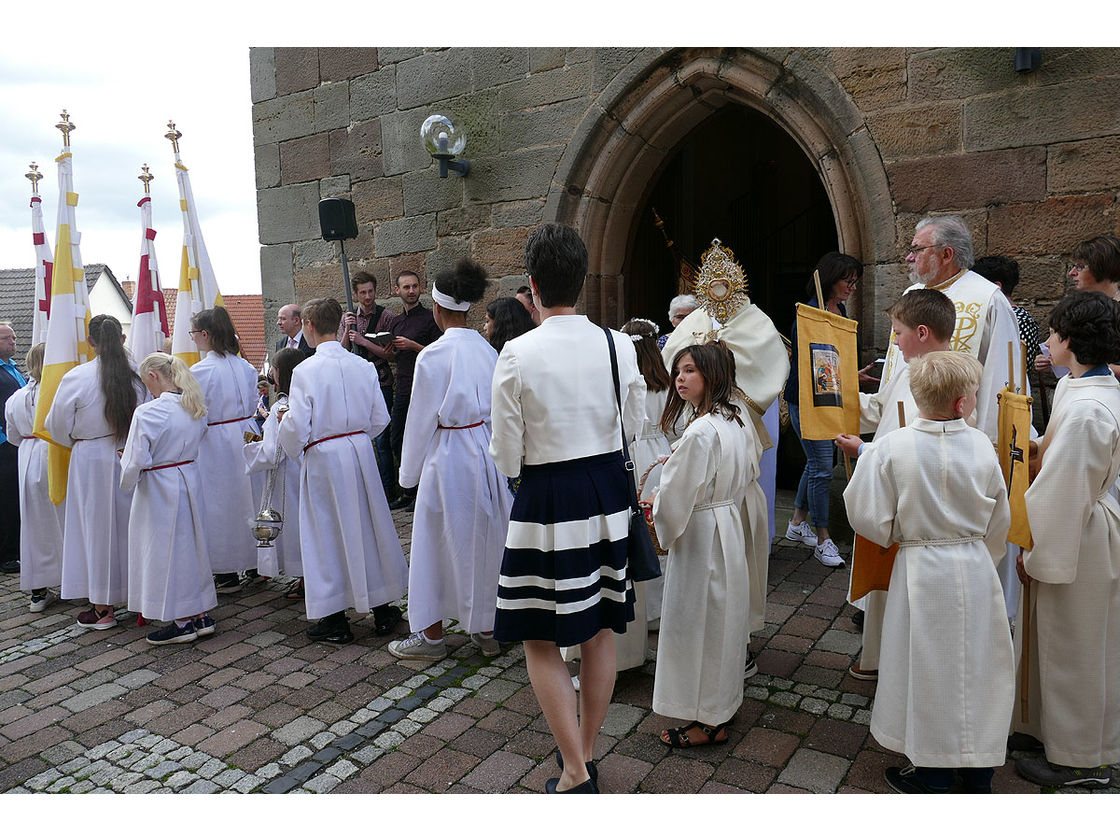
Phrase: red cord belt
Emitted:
{"points": [[331, 437], [167, 466], [234, 420], [471, 426]]}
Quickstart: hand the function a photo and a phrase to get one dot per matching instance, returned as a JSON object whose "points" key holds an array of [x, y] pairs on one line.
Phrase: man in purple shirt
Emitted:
{"points": [[413, 330]]}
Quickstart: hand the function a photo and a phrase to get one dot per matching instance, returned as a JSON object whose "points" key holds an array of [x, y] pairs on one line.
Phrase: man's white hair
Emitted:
{"points": [[951, 232]]}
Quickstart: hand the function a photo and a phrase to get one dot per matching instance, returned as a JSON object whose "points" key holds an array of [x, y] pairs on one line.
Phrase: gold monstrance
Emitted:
{"points": [[721, 284]]}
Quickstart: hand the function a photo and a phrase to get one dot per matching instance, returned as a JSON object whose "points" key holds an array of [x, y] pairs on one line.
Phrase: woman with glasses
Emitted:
{"points": [[839, 275]]}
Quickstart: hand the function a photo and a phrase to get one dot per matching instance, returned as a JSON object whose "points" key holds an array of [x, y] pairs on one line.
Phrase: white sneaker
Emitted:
{"points": [[415, 647], [802, 533], [827, 554], [40, 601]]}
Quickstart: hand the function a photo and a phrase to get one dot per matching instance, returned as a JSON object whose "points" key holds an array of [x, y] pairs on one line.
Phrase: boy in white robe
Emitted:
{"points": [[922, 320], [946, 663], [1071, 593], [348, 542]]}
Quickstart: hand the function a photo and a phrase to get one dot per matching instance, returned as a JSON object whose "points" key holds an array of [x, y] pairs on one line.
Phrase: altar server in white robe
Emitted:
{"points": [[351, 556], [462, 502], [169, 575], [91, 412], [946, 663], [761, 368], [229, 386], [40, 535], [708, 482], [922, 320], [262, 456], [1071, 649]]}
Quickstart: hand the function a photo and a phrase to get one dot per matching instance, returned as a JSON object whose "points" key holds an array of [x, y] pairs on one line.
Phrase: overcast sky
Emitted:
{"points": [[123, 69]]}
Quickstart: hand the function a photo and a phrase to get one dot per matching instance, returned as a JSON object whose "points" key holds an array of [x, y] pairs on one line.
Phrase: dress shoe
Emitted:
{"points": [[334, 629], [385, 619], [398, 503], [10, 567], [592, 770], [587, 787]]}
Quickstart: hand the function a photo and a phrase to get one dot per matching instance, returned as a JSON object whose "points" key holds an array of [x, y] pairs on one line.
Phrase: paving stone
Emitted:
{"points": [[815, 771], [201, 786], [298, 730]]}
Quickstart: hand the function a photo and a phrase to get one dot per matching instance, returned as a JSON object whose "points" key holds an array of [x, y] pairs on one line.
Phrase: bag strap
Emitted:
{"points": [[622, 423]]}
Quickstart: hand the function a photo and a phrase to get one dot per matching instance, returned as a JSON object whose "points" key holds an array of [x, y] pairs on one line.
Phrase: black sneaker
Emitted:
{"points": [[204, 626], [396, 504], [173, 634], [10, 567], [905, 780], [752, 667], [385, 618], [227, 583], [1040, 771]]}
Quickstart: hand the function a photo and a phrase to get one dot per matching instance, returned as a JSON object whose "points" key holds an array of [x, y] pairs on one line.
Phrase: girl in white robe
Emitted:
{"points": [[91, 412], [462, 502], [945, 662], [698, 511], [264, 455], [229, 387], [1070, 609], [40, 535], [348, 543], [169, 575]]}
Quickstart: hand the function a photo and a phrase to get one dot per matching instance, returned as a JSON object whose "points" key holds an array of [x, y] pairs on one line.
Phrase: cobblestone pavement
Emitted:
{"points": [[257, 707]]}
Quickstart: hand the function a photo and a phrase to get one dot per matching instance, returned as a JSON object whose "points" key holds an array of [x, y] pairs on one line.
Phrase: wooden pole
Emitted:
{"points": [[901, 415], [1010, 367], [1023, 362], [1025, 657], [817, 283]]}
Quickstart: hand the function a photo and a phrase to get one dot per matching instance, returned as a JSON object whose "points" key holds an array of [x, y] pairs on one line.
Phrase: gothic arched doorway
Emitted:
{"points": [[739, 177]]}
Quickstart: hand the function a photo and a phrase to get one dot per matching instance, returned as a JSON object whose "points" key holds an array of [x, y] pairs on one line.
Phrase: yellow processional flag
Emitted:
{"points": [[828, 374], [68, 328], [1014, 456]]}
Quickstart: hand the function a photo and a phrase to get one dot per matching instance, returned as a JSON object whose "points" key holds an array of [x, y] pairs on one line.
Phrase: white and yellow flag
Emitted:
{"points": [[149, 312], [198, 288], [68, 327], [44, 264]]}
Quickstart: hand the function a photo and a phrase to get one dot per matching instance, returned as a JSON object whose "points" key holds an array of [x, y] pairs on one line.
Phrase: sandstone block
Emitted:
{"points": [[502, 251], [288, 214], [374, 94], [391, 55], [1073, 111], [542, 126], [959, 73], [276, 278], [546, 87], [1041, 279], [304, 159], [970, 180], [545, 58], [337, 186], [300, 114], [919, 130], [460, 220], [518, 213], [433, 76], [874, 77], [262, 73], [494, 65], [1054, 226], [337, 64], [407, 235], [426, 192], [381, 198], [448, 251], [266, 159], [513, 175], [1087, 166], [313, 252], [607, 63], [356, 150], [409, 262], [297, 68], [401, 149]]}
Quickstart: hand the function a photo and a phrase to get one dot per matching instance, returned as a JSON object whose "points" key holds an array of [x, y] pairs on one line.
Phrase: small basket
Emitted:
{"points": [[648, 512]]}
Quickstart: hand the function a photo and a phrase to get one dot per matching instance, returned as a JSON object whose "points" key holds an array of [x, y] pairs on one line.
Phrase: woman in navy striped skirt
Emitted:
{"points": [[564, 580]]}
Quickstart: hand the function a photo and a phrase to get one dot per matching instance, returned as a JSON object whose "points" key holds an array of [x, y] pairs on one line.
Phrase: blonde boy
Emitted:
{"points": [[922, 321], [946, 671]]}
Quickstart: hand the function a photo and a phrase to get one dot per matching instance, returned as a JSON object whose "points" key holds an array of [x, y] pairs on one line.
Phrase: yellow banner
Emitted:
{"points": [[872, 565], [827, 370], [1014, 455]]}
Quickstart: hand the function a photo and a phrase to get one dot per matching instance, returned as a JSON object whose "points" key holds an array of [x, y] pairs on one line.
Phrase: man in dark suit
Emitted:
{"points": [[11, 380], [288, 320]]}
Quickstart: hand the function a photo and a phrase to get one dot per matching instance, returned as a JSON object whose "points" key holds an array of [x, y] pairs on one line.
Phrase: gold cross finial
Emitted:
{"points": [[34, 176], [65, 127], [173, 136], [146, 177]]}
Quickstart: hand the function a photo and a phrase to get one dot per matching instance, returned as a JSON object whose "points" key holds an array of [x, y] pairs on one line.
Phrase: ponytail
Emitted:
{"points": [[118, 380], [175, 371]]}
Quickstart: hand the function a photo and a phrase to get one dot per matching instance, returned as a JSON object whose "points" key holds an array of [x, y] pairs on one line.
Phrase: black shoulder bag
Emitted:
{"points": [[640, 553]]}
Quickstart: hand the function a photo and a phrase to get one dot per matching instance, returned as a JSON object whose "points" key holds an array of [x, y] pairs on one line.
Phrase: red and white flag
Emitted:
{"points": [[198, 288], [149, 310], [44, 267], [68, 328]]}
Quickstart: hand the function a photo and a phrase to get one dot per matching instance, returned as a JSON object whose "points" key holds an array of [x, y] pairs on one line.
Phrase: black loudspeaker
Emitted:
{"points": [[336, 219]]}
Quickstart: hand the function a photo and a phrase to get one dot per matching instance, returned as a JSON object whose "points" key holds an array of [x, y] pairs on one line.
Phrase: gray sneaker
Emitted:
{"points": [[1040, 771], [40, 598], [415, 647], [487, 643], [803, 533]]}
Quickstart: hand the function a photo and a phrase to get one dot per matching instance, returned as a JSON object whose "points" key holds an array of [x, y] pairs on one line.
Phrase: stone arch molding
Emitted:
{"points": [[617, 152]]}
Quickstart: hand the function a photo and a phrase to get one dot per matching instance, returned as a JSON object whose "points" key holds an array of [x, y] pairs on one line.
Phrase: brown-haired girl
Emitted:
{"points": [[91, 412], [708, 501], [169, 576]]}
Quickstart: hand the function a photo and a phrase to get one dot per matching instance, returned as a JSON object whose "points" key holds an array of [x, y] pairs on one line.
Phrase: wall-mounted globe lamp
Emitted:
{"points": [[445, 143]]}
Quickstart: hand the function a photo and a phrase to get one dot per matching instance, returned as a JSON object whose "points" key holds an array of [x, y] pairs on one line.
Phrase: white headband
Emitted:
{"points": [[448, 302]]}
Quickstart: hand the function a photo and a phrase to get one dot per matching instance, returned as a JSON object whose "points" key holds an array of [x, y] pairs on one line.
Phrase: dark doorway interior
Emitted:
{"points": [[739, 177]]}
